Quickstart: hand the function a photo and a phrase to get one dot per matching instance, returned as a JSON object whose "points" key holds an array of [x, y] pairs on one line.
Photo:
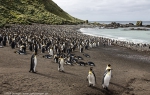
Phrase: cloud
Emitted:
{"points": [[107, 10]]}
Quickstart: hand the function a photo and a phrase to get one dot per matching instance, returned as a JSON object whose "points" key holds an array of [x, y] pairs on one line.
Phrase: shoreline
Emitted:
{"points": [[128, 44], [129, 71]]}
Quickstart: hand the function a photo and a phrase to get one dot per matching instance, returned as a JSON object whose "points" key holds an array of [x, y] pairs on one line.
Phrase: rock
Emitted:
{"points": [[130, 24], [147, 25], [139, 23], [86, 21]]}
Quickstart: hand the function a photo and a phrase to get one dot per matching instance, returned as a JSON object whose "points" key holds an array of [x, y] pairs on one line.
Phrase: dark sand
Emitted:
{"points": [[130, 74]]}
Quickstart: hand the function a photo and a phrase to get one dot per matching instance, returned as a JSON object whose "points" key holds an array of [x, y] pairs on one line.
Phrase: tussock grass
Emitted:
{"points": [[34, 11]]}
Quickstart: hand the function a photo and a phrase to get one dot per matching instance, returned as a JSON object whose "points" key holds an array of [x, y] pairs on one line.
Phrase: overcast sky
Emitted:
{"points": [[107, 10]]}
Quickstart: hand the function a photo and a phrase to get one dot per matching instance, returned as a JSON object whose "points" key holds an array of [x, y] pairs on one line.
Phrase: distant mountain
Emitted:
{"points": [[34, 11]]}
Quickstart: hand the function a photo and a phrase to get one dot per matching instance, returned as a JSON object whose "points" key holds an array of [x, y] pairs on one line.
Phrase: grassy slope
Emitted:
{"points": [[34, 11]]}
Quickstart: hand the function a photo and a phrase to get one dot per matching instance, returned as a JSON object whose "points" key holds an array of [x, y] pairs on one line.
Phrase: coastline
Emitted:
{"points": [[122, 22], [133, 45], [130, 73]]}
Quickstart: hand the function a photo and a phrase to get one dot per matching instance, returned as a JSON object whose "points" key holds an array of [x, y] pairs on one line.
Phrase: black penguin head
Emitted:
{"points": [[91, 68], [35, 53], [109, 65], [61, 56], [109, 70]]}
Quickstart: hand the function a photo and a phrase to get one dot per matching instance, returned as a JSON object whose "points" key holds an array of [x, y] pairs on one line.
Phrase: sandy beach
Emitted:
{"points": [[130, 74]]}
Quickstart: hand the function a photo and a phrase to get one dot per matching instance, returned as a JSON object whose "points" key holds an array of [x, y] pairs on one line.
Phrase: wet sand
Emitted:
{"points": [[130, 74]]}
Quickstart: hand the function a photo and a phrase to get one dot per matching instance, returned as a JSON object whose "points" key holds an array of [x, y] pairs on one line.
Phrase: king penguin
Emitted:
{"points": [[43, 49], [35, 63], [108, 67], [51, 52], [106, 78], [91, 77], [61, 64], [32, 63], [13, 44]]}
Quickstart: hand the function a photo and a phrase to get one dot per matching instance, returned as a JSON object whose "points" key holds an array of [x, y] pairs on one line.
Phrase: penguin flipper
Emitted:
{"points": [[87, 78], [59, 65], [104, 77], [94, 76]]}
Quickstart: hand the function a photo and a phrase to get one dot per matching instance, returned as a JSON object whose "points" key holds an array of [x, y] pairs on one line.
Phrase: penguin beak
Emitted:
{"points": [[109, 69]]}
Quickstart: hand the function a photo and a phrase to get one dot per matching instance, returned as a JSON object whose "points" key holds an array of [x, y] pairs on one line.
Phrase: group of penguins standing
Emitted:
{"points": [[91, 78], [56, 41], [106, 78]]}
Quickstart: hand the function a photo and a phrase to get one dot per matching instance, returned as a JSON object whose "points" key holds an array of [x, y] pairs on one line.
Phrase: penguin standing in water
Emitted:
{"points": [[91, 77], [61, 64], [106, 78]]}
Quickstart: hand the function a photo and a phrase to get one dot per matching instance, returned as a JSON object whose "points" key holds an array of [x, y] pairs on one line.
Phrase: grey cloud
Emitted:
{"points": [[107, 9]]}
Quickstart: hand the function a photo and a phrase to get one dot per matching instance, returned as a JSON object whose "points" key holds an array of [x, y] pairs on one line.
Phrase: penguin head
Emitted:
{"points": [[91, 68], [108, 65], [61, 56], [35, 53], [109, 70]]}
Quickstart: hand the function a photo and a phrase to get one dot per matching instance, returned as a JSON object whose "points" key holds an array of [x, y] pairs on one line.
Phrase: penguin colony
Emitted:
{"points": [[58, 42]]}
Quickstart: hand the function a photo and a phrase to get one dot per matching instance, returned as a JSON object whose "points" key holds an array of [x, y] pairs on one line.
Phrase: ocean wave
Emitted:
{"points": [[119, 34]]}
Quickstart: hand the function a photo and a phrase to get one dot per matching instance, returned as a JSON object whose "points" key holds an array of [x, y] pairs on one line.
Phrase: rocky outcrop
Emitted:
{"points": [[147, 25], [139, 23], [146, 29]]}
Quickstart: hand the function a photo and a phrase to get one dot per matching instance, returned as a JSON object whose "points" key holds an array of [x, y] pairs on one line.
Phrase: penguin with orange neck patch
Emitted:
{"points": [[91, 77], [108, 67], [61, 64], [33, 63], [106, 77]]}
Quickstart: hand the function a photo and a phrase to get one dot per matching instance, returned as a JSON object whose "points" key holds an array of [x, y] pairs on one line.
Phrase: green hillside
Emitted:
{"points": [[34, 11]]}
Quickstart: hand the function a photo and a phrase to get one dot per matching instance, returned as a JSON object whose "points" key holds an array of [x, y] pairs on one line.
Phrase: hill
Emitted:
{"points": [[34, 11]]}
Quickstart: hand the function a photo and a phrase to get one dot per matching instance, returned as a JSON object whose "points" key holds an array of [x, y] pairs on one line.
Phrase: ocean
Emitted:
{"points": [[122, 22], [121, 34]]}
